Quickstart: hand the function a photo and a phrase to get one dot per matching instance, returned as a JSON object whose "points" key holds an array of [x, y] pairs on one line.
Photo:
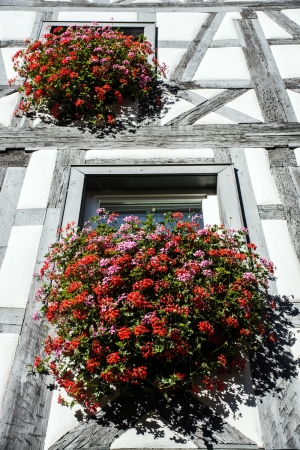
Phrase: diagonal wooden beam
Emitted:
{"points": [[285, 22], [224, 111], [191, 116], [269, 86], [190, 61]]}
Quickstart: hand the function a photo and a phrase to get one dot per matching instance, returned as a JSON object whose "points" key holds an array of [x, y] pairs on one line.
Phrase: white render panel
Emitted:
{"points": [[233, 407], [18, 265], [171, 57], [223, 64], [149, 153], [227, 29], [16, 24], [271, 29], [295, 100], [263, 183], [100, 16], [7, 54], [8, 345], [287, 57], [213, 118], [164, 437], [247, 104], [207, 93], [175, 109], [297, 155], [61, 419], [210, 210], [179, 26], [293, 14], [38, 178], [8, 105], [283, 254]]}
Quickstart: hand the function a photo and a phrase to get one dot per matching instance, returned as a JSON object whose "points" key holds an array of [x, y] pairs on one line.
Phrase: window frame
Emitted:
{"points": [[149, 27], [227, 191]]}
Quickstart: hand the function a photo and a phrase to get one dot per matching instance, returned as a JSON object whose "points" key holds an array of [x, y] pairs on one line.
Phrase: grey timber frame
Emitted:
{"points": [[226, 187]]}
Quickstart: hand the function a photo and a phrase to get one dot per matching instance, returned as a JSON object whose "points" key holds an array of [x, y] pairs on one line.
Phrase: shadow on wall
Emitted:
{"points": [[273, 369]]}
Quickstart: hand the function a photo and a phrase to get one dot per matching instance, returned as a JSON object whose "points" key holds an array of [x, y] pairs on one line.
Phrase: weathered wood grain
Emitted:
{"points": [[271, 212], [283, 41], [196, 136], [191, 116], [272, 97], [3, 76], [12, 43], [7, 90], [222, 155], [285, 22], [213, 84], [190, 61], [152, 161], [291, 83]]}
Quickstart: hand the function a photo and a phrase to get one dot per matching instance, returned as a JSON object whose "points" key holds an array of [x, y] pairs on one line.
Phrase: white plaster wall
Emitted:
{"points": [[152, 432], [171, 57], [223, 64], [7, 54], [237, 406], [38, 178], [8, 105], [18, 265], [282, 253], [247, 104], [16, 24], [287, 57], [293, 14], [150, 153], [297, 155], [295, 100], [210, 208], [263, 184], [179, 26], [8, 346], [61, 419], [227, 29], [271, 29], [100, 16]]}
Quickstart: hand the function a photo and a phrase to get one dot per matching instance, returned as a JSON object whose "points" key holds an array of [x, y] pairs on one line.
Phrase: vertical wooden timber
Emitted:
{"points": [[27, 402], [269, 86], [281, 161]]}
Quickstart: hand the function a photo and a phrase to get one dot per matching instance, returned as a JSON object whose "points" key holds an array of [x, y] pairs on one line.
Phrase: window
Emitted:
{"points": [[130, 28], [138, 189]]}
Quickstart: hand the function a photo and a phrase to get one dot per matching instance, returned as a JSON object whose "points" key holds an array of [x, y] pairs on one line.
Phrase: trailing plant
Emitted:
{"points": [[78, 72], [150, 304]]}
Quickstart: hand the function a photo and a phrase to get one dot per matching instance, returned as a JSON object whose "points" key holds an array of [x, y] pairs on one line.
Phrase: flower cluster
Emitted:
{"points": [[150, 305], [76, 73]]}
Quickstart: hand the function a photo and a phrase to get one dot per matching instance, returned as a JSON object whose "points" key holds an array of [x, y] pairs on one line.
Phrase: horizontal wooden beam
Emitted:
{"points": [[193, 136]]}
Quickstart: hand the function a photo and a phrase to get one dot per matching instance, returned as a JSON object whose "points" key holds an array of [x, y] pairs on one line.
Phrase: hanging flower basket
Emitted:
{"points": [[150, 305], [79, 72]]}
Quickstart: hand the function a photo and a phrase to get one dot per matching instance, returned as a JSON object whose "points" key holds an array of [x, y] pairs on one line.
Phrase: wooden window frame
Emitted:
{"points": [[229, 204]]}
